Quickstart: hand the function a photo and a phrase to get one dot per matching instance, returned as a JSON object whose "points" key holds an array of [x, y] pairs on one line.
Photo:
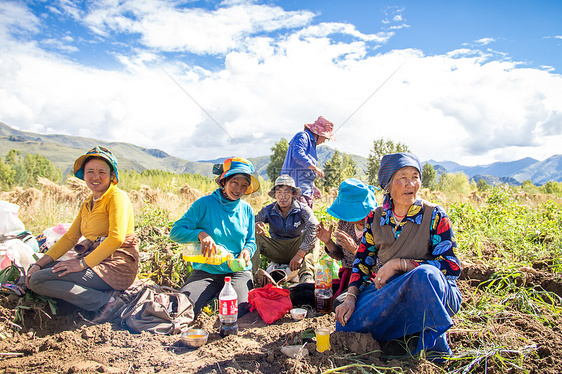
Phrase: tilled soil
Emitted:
{"points": [[68, 343]]}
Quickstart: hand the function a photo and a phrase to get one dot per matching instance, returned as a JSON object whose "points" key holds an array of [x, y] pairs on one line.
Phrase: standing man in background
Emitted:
{"points": [[301, 161]]}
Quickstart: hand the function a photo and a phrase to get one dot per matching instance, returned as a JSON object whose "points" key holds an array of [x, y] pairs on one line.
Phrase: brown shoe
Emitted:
{"points": [[110, 311]]}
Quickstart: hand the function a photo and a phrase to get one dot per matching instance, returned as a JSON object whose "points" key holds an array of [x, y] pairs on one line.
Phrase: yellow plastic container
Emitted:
{"points": [[192, 253]]}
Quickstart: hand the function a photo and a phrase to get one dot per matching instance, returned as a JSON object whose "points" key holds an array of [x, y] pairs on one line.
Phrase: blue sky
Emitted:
{"points": [[467, 81]]}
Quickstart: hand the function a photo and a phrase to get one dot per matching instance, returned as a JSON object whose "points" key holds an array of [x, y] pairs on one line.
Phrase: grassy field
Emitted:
{"points": [[509, 243]]}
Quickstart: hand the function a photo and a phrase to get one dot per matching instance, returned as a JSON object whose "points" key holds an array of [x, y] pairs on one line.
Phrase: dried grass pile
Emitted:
{"points": [[258, 202], [64, 194], [190, 194], [78, 186], [436, 197], [145, 195], [28, 197]]}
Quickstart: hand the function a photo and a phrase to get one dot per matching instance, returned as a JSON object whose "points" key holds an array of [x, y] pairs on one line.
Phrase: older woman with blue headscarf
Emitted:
{"points": [[414, 294]]}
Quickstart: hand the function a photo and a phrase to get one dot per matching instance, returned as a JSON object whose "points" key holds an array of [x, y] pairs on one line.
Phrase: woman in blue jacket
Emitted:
{"points": [[221, 218]]}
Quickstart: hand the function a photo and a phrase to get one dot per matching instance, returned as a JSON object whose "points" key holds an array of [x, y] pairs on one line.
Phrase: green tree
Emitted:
{"points": [[381, 147], [553, 188], [276, 159], [458, 182], [349, 167], [39, 166], [333, 172], [429, 176], [482, 185], [529, 187], [26, 171], [7, 176], [13, 159]]}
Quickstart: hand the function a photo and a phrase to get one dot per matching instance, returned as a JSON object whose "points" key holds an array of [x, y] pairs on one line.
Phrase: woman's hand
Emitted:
{"points": [[345, 310], [323, 233], [346, 241], [386, 271], [32, 269], [261, 229], [67, 267], [40, 264], [208, 245], [245, 254]]}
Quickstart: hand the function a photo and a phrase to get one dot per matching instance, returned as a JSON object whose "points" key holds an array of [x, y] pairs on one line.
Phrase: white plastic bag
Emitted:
{"points": [[25, 236], [17, 251], [53, 234], [9, 220]]}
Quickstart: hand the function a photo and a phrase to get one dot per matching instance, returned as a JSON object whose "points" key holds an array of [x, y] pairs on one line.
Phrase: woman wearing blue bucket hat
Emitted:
{"points": [[353, 204], [107, 259], [221, 218], [414, 294]]}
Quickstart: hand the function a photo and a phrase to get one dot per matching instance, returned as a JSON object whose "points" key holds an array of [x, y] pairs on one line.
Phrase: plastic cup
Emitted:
{"points": [[237, 264], [322, 339]]}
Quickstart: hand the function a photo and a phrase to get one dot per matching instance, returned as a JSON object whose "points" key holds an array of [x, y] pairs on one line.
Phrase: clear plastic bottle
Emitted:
{"points": [[228, 309], [323, 292], [192, 253]]}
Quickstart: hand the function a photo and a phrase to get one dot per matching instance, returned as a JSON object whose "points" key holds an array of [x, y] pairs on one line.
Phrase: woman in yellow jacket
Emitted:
{"points": [[107, 259]]}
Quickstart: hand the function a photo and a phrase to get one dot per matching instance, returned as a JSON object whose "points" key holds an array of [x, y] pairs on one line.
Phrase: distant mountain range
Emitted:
{"points": [[62, 150], [514, 172]]}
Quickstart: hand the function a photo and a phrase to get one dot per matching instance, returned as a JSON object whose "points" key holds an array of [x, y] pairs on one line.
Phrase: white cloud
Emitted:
{"points": [[393, 18], [62, 45], [462, 106], [484, 41], [16, 19], [163, 26]]}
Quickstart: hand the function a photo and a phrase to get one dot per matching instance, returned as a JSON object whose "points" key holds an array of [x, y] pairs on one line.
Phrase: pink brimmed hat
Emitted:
{"points": [[322, 127]]}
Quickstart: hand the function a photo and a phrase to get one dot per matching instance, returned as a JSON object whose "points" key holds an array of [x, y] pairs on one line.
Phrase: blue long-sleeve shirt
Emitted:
{"points": [[229, 223], [300, 155]]}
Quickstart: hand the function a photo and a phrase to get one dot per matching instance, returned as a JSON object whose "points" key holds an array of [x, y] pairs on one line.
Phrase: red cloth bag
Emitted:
{"points": [[271, 302]]}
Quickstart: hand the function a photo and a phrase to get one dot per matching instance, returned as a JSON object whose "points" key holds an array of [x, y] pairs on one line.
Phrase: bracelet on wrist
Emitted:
{"points": [[83, 264], [351, 294], [36, 264], [300, 254]]}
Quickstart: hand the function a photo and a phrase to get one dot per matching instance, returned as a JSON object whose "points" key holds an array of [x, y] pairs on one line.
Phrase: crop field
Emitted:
{"points": [[509, 244]]}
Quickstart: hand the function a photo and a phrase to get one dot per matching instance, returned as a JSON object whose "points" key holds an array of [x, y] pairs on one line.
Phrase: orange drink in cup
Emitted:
{"points": [[322, 339]]}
